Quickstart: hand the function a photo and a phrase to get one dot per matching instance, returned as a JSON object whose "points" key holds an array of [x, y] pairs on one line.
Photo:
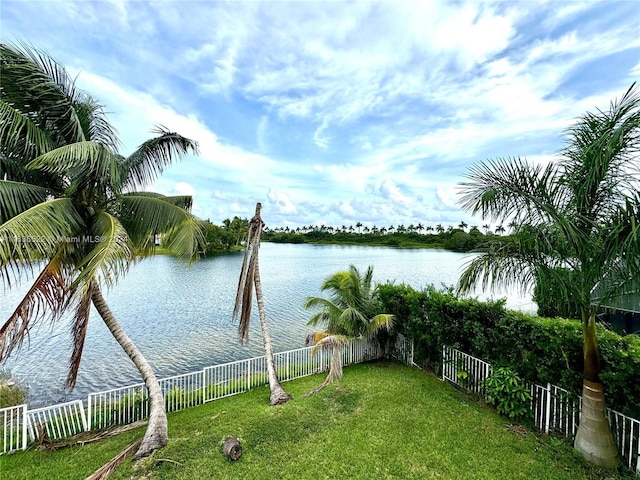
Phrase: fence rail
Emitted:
{"points": [[13, 426], [124, 405], [555, 410]]}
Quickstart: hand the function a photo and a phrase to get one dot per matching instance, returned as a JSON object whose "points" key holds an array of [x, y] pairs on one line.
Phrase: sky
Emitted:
{"points": [[334, 112]]}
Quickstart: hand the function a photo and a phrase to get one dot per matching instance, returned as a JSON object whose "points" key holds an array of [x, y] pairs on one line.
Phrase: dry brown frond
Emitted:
{"points": [[46, 299], [246, 281], [107, 469], [78, 333]]}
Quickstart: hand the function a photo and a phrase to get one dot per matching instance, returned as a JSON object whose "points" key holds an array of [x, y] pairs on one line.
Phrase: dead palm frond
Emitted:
{"points": [[244, 293], [335, 344]]}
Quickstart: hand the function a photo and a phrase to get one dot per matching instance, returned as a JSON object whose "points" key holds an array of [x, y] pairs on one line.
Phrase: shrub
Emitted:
{"points": [[538, 349], [11, 392], [508, 393]]}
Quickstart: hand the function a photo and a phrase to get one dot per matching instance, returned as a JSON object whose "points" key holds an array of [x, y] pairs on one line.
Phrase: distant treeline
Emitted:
{"points": [[232, 233], [455, 239]]}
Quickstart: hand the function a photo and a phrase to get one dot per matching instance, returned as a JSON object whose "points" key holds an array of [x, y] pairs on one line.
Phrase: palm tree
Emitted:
{"points": [[462, 225], [250, 277], [351, 310], [358, 226], [439, 228], [580, 213], [69, 208]]}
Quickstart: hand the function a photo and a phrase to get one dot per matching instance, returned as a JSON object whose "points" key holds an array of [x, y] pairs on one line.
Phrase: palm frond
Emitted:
{"points": [[110, 252], [512, 187], [40, 88], [602, 148], [16, 197], [507, 264], [37, 233], [78, 334], [20, 135], [151, 158], [87, 163], [145, 215], [335, 344], [247, 279], [381, 322], [46, 299]]}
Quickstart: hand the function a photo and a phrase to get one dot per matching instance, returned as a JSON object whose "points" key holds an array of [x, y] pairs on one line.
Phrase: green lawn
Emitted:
{"points": [[381, 421]]}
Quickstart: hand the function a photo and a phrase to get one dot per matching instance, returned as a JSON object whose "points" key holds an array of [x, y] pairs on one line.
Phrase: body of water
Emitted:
{"points": [[180, 316]]}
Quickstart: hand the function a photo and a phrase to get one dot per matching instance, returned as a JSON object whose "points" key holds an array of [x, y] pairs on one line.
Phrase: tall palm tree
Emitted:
{"points": [[68, 207], [351, 310], [250, 278], [579, 213]]}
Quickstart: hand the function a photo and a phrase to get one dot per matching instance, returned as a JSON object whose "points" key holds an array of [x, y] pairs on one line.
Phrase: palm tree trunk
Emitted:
{"points": [[594, 438], [156, 435], [278, 395]]}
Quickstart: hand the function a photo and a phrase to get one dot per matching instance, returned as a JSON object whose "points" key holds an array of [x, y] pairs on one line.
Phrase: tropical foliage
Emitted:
{"points": [[352, 309], [453, 238], [580, 213], [540, 350], [72, 208]]}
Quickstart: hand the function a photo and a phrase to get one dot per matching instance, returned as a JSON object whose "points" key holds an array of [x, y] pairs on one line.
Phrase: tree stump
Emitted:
{"points": [[232, 449]]}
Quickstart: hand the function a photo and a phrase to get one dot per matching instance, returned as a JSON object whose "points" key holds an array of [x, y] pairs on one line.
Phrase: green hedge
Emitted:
{"points": [[539, 349]]}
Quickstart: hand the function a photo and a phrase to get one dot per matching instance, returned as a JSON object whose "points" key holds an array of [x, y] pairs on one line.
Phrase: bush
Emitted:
{"points": [[508, 393], [538, 349], [11, 392]]}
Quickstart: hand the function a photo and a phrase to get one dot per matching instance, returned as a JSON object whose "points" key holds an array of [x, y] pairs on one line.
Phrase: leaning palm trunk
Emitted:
{"points": [[250, 277], [594, 438], [156, 435], [278, 395]]}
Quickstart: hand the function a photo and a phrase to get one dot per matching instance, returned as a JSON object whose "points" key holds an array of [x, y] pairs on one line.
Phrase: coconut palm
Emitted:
{"points": [[68, 208], [579, 213], [351, 310], [250, 278]]}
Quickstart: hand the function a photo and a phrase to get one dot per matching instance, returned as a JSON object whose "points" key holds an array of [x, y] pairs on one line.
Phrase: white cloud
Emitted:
{"points": [[390, 191], [333, 110], [281, 202], [183, 188]]}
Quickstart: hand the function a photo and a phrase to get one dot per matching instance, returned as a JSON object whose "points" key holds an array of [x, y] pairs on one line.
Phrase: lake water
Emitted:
{"points": [[180, 317]]}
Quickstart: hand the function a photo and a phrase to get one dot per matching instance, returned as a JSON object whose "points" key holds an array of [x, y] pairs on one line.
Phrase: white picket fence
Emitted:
{"points": [[20, 426], [555, 410]]}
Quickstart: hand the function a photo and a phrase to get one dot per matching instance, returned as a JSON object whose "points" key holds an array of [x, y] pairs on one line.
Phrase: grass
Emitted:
{"points": [[381, 421]]}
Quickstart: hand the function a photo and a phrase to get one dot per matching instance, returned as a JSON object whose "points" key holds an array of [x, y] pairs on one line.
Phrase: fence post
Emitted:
{"points": [[88, 412], [85, 423], [443, 360], [25, 419], [204, 386], [547, 419], [411, 362]]}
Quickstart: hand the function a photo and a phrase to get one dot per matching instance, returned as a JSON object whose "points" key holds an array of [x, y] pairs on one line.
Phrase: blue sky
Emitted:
{"points": [[339, 112]]}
